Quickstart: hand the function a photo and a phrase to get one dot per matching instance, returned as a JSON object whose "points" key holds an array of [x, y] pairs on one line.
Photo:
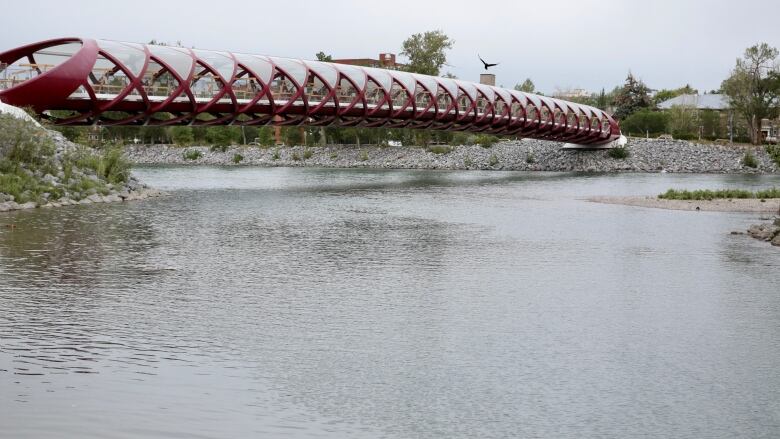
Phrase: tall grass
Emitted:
{"points": [[706, 194]]}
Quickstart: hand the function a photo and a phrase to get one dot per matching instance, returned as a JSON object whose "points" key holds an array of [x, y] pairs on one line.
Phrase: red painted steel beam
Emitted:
{"points": [[113, 83]]}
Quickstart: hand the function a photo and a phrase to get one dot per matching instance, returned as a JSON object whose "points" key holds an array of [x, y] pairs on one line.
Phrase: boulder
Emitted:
{"points": [[95, 198]]}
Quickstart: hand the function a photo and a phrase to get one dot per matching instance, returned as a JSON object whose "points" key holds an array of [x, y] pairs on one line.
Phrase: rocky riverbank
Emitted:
{"points": [[41, 168], [769, 232], [522, 155]]}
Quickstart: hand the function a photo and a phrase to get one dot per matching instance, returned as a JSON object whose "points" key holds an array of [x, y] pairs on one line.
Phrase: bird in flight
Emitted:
{"points": [[487, 65]]}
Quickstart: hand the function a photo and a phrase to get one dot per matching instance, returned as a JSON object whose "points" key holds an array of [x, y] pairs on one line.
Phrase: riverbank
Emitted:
{"points": [[718, 205], [41, 168], [523, 155]]}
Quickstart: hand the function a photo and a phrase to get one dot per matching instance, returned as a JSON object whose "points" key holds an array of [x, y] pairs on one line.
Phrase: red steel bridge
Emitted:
{"points": [[80, 81]]}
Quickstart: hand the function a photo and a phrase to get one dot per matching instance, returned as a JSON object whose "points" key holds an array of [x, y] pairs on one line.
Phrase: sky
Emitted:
{"points": [[560, 44]]}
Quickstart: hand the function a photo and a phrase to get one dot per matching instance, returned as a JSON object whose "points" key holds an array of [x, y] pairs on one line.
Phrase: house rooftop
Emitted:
{"points": [[701, 102]]}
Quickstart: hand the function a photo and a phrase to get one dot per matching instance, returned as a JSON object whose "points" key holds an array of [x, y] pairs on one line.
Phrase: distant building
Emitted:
{"points": [[487, 79], [575, 93], [385, 61], [770, 128]]}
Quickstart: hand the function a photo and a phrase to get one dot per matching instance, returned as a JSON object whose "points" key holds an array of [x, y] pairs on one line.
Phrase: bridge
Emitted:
{"points": [[80, 81]]}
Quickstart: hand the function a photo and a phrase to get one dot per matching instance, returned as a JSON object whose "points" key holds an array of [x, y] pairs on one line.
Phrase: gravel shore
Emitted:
{"points": [[725, 205], [522, 155]]}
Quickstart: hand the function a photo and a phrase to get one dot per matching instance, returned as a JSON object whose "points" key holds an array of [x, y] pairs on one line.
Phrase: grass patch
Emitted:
{"points": [[218, 148], [619, 153], [307, 153], [192, 154], [485, 140], [334, 156], [238, 158], [706, 194], [467, 162], [25, 187], [295, 156], [530, 159], [276, 155], [440, 149], [363, 156], [110, 164], [493, 160]]}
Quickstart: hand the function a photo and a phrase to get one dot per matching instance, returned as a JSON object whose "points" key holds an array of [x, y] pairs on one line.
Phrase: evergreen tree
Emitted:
{"points": [[633, 97]]}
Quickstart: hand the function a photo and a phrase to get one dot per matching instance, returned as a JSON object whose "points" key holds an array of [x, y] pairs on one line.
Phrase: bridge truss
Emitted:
{"points": [[76, 81]]}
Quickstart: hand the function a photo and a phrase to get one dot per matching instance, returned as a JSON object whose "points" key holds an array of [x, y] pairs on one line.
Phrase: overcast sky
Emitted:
{"points": [[558, 44]]}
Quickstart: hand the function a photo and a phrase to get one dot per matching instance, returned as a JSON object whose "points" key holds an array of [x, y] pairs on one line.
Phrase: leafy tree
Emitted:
{"points": [[683, 121], [426, 52], [527, 86], [754, 87], [182, 136], [665, 94], [709, 121], [321, 56], [645, 121], [223, 135], [631, 98]]}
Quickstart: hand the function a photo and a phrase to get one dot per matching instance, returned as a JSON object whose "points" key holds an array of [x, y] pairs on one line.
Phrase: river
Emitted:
{"points": [[326, 303]]}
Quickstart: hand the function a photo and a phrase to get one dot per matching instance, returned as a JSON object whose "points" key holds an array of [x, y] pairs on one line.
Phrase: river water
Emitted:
{"points": [[321, 303]]}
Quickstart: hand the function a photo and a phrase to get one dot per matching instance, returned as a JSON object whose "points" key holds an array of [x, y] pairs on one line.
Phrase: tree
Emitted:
{"points": [[321, 56], [602, 101], [709, 120], [754, 87], [426, 52], [631, 98], [645, 121], [182, 135], [665, 94], [527, 86], [223, 135], [683, 121]]}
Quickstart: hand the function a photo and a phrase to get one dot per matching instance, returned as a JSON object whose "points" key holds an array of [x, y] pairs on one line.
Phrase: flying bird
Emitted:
{"points": [[487, 65]]}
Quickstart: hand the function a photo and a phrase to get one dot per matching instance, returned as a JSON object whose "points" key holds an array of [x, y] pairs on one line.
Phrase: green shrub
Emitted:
{"points": [[684, 136], [307, 153], [23, 142], [237, 158], [485, 140], [334, 155], [276, 156], [467, 162], [182, 135], [530, 159], [749, 160], [218, 148], [440, 149], [192, 154], [493, 160], [774, 152], [295, 156], [109, 164], [461, 138], [363, 156], [618, 153]]}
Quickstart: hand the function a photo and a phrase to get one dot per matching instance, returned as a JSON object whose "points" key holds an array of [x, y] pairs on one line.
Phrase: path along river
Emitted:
{"points": [[326, 303]]}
